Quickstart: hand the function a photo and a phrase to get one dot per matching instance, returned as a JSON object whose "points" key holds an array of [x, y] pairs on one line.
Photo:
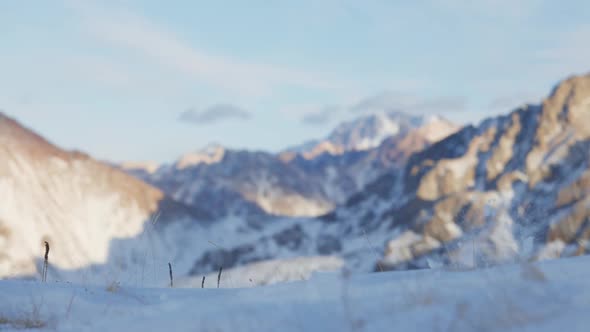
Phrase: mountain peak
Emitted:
{"points": [[571, 83], [210, 154], [568, 103], [56, 195], [25, 140], [368, 132], [150, 167]]}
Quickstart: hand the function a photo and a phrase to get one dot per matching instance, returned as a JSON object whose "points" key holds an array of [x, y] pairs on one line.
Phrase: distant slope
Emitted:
{"points": [[511, 188], [241, 183], [75, 203], [369, 132], [514, 187], [342, 175], [296, 184]]}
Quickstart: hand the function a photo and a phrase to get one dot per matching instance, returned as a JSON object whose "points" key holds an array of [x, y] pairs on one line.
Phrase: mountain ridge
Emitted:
{"points": [[512, 188], [298, 184], [76, 203]]}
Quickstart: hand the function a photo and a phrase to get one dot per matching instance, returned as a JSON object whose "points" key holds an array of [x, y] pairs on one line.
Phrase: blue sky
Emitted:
{"points": [[150, 80]]}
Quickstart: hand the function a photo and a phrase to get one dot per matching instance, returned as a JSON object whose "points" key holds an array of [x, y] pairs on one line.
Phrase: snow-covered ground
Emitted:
{"points": [[266, 272], [547, 296]]}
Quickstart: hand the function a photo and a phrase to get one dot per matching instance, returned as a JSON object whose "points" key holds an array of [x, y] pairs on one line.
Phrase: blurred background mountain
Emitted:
{"points": [[384, 191]]}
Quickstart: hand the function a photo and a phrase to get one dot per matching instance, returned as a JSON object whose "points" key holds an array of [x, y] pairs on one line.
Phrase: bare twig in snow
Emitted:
{"points": [[171, 278], [45, 262]]}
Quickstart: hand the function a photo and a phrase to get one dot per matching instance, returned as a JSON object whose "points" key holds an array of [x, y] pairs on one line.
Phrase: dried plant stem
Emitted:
{"points": [[171, 278], [203, 282], [219, 276], [45, 262], [69, 309]]}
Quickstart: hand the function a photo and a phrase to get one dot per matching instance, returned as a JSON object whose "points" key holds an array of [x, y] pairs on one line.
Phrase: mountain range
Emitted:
{"points": [[305, 181], [387, 191]]}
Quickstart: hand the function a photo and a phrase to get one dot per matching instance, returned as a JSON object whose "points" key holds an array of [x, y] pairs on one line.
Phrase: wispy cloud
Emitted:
{"points": [[214, 114], [322, 116], [396, 101], [132, 31], [387, 101]]}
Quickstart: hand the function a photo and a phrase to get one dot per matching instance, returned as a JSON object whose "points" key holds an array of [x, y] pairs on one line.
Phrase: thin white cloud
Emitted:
{"points": [[387, 101], [396, 101], [214, 114], [322, 116], [131, 31]]}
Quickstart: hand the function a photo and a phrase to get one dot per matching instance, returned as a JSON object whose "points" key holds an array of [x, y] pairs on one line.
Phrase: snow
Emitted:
{"points": [[95, 214], [399, 249], [552, 250], [267, 272], [547, 296], [150, 167], [211, 154], [367, 132]]}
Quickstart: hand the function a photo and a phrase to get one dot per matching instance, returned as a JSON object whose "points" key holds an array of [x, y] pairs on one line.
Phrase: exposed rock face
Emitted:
{"points": [[514, 179], [369, 132], [514, 187]]}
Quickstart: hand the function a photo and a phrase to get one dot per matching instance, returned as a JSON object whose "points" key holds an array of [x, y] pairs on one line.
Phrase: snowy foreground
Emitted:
{"points": [[548, 296]]}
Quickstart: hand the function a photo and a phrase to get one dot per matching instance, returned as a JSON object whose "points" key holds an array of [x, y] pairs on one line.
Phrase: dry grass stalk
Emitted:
{"points": [[203, 282], [171, 278], [45, 262], [219, 276]]}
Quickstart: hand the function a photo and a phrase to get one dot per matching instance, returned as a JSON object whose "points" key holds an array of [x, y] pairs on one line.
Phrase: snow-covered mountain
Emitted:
{"points": [[97, 217], [103, 225], [345, 174], [514, 187], [139, 168], [211, 154], [234, 182], [298, 184], [368, 132], [77, 204]]}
